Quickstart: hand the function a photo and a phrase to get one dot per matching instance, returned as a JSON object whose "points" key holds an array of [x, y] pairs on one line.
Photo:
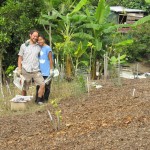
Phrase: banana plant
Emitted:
{"points": [[78, 54], [91, 46], [118, 48], [99, 26], [114, 60], [96, 24], [118, 57], [66, 27], [121, 45], [58, 49], [45, 19]]}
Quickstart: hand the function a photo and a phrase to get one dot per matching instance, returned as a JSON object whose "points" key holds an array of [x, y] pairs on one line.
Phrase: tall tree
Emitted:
{"points": [[20, 17]]}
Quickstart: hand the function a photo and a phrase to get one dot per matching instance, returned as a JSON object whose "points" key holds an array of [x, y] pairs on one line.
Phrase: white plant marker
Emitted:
{"points": [[119, 81], [2, 90], [8, 88], [105, 66], [133, 94], [32, 87], [88, 85], [137, 69]]}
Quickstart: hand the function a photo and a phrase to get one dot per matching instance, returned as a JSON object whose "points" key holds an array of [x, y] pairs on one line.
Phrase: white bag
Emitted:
{"points": [[18, 80], [49, 78]]}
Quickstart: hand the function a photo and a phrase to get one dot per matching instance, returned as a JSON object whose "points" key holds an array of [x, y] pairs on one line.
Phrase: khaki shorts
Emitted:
{"points": [[36, 76]]}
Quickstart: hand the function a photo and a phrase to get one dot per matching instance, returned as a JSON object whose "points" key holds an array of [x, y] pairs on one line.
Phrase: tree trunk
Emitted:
{"points": [[1, 69], [68, 67], [93, 71], [50, 36]]}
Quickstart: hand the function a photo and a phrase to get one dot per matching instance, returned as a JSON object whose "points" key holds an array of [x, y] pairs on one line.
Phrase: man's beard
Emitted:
{"points": [[34, 41]]}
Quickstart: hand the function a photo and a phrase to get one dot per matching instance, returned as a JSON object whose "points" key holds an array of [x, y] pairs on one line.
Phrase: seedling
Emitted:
{"points": [[51, 119], [59, 117], [57, 112]]}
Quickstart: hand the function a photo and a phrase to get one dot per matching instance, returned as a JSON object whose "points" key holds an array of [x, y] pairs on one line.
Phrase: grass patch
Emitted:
{"points": [[60, 89]]}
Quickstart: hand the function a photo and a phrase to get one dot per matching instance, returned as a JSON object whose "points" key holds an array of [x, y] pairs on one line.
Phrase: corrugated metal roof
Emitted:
{"points": [[123, 9]]}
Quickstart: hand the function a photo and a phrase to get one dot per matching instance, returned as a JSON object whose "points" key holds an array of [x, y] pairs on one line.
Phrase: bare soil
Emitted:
{"points": [[109, 118]]}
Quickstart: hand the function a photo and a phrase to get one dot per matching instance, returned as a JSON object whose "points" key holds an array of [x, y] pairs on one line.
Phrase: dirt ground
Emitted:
{"points": [[109, 118]]}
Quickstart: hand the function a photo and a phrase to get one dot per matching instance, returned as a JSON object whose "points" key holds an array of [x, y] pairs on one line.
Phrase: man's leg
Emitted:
{"points": [[27, 77], [39, 80], [24, 93], [41, 90]]}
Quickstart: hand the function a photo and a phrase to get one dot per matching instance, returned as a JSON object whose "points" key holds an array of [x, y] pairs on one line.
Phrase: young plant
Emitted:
{"points": [[78, 54], [57, 112]]}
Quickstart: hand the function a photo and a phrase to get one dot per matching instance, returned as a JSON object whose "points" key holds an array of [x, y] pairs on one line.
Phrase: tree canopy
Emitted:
{"points": [[71, 24]]}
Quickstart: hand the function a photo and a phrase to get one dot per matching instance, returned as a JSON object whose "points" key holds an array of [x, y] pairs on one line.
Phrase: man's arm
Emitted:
{"points": [[19, 62]]}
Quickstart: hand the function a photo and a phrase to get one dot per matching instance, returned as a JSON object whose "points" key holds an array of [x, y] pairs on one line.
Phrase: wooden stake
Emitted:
{"points": [[105, 65], [8, 88], [133, 94], [88, 86]]}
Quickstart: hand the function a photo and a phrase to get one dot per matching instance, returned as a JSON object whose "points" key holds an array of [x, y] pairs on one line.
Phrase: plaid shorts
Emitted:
{"points": [[36, 76]]}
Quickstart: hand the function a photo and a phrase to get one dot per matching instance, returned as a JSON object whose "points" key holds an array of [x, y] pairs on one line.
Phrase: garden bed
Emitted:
{"points": [[111, 117]]}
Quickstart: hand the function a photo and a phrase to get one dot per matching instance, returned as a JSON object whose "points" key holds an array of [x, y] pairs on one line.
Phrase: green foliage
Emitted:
{"points": [[141, 21], [57, 112], [82, 82], [147, 1], [79, 6], [9, 70], [82, 35], [102, 12], [19, 18], [114, 60], [80, 51], [140, 48], [119, 47], [4, 40], [124, 43], [71, 21]]}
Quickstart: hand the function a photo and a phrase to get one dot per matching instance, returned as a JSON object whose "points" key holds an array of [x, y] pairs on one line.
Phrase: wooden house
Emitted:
{"points": [[122, 15]]}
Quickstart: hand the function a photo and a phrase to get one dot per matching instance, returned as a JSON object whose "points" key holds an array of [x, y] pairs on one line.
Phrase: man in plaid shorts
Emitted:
{"points": [[28, 65]]}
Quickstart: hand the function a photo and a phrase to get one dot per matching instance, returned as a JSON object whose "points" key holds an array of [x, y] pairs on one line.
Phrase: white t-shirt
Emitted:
{"points": [[30, 55]]}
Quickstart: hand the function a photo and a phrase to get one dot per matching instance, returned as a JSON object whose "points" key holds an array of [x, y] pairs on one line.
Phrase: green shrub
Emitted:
{"points": [[140, 49]]}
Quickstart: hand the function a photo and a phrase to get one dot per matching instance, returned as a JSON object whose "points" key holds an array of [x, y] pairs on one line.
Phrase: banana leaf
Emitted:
{"points": [[82, 35], [102, 12], [124, 43], [80, 51], [79, 6], [142, 20], [98, 44], [86, 63]]}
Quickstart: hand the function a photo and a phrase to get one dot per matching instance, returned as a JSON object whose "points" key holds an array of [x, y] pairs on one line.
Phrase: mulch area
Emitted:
{"points": [[109, 118]]}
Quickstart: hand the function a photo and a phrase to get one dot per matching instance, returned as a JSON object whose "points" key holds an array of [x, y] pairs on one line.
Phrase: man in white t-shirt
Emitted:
{"points": [[28, 64]]}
